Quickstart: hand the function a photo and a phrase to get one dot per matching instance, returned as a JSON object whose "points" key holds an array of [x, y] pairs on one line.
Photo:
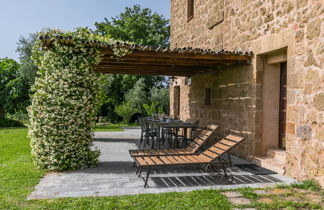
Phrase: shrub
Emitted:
{"points": [[64, 105], [150, 109], [126, 111], [9, 123]]}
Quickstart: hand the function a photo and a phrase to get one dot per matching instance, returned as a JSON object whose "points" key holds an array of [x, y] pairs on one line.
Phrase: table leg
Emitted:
{"points": [[185, 136], [175, 143]]}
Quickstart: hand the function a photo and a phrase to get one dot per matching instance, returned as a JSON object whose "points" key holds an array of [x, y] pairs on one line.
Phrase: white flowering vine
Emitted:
{"points": [[64, 104]]}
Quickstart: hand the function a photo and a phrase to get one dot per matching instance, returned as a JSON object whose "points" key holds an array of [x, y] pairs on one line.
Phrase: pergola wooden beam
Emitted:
{"points": [[185, 54], [146, 60], [167, 63]]}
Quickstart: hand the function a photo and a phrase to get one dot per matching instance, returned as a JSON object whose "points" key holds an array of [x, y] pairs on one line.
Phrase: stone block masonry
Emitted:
{"points": [[264, 27]]}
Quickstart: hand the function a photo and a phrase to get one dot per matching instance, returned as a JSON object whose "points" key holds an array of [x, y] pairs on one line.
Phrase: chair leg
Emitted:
{"points": [[141, 141], [153, 143], [229, 159], [147, 177], [144, 142], [139, 171], [224, 170]]}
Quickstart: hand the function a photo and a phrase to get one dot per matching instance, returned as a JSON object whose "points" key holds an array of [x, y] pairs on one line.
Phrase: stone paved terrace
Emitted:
{"points": [[115, 175]]}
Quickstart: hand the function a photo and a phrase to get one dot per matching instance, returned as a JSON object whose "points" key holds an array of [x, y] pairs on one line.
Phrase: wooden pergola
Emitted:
{"points": [[147, 60], [180, 62]]}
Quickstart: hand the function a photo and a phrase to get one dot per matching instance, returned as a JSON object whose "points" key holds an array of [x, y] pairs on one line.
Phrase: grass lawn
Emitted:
{"points": [[112, 127], [18, 176], [108, 128]]}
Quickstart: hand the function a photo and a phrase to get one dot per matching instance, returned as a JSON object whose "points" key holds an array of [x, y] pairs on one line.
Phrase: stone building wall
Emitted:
{"points": [[264, 27]]}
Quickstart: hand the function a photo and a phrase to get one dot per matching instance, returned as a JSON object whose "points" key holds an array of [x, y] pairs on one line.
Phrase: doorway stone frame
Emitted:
{"points": [[269, 50]]}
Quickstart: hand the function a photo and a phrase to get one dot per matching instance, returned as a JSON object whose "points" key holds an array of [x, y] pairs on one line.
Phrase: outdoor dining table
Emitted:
{"points": [[176, 125]]}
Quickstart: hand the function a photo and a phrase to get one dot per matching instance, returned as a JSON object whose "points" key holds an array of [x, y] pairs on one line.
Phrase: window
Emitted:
{"points": [[207, 96], [190, 9]]}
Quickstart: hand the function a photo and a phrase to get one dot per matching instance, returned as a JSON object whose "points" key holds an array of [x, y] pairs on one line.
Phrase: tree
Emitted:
{"points": [[137, 25], [9, 91], [28, 70], [137, 95], [160, 96], [126, 111], [140, 26]]}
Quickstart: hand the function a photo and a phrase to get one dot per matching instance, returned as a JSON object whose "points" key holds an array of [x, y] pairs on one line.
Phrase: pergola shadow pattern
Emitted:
{"points": [[115, 174]]}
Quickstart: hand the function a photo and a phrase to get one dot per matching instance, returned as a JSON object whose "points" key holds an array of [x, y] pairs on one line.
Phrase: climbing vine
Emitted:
{"points": [[64, 104]]}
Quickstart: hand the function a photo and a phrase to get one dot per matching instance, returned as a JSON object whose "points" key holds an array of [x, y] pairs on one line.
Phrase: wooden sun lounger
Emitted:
{"points": [[192, 148], [209, 157]]}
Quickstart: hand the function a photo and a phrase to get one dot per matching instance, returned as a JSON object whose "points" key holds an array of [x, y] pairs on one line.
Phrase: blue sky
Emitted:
{"points": [[22, 17]]}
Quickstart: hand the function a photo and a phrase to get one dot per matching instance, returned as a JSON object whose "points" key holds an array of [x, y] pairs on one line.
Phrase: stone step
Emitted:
{"points": [[269, 163], [277, 154]]}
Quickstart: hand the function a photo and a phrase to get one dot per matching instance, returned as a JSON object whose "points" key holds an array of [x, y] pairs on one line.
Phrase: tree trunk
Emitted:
{"points": [[2, 113]]}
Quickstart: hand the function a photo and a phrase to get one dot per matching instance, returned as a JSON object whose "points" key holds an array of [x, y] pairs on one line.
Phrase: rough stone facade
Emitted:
{"points": [[294, 29]]}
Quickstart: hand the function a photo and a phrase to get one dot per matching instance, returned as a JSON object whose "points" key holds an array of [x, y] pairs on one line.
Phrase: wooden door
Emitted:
{"points": [[176, 98], [283, 105]]}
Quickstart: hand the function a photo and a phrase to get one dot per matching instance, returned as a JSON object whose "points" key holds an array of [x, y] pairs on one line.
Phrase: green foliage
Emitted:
{"points": [[307, 185], [249, 193], [107, 127], [64, 105], [150, 109], [9, 93], [137, 95], [126, 111], [161, 97], [137, 25], [9, 123], [159, 101], [118, 86], [28, 70], [140, 26]]}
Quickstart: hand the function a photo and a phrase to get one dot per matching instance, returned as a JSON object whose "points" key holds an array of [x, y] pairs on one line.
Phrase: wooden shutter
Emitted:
{"points": [[190, 9]]}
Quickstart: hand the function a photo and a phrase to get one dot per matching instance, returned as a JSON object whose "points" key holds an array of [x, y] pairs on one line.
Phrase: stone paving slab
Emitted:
{"points": [[115, 175], [239, 201]]}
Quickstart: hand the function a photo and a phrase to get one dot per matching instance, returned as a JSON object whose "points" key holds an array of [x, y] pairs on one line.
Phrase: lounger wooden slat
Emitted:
{"points": [[165, 160], [149, 160], [154, 152], [172, 160], [173, 151], [180, 160], [185, 159], [190, 149], [198, 141], [210, 154], [226, 142], [206, 132], [202, 137], [195, 157], [234, 138], [216, 150], [140, 161], [222, 146], [156, 160], [192, 159], [205, 158]]}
